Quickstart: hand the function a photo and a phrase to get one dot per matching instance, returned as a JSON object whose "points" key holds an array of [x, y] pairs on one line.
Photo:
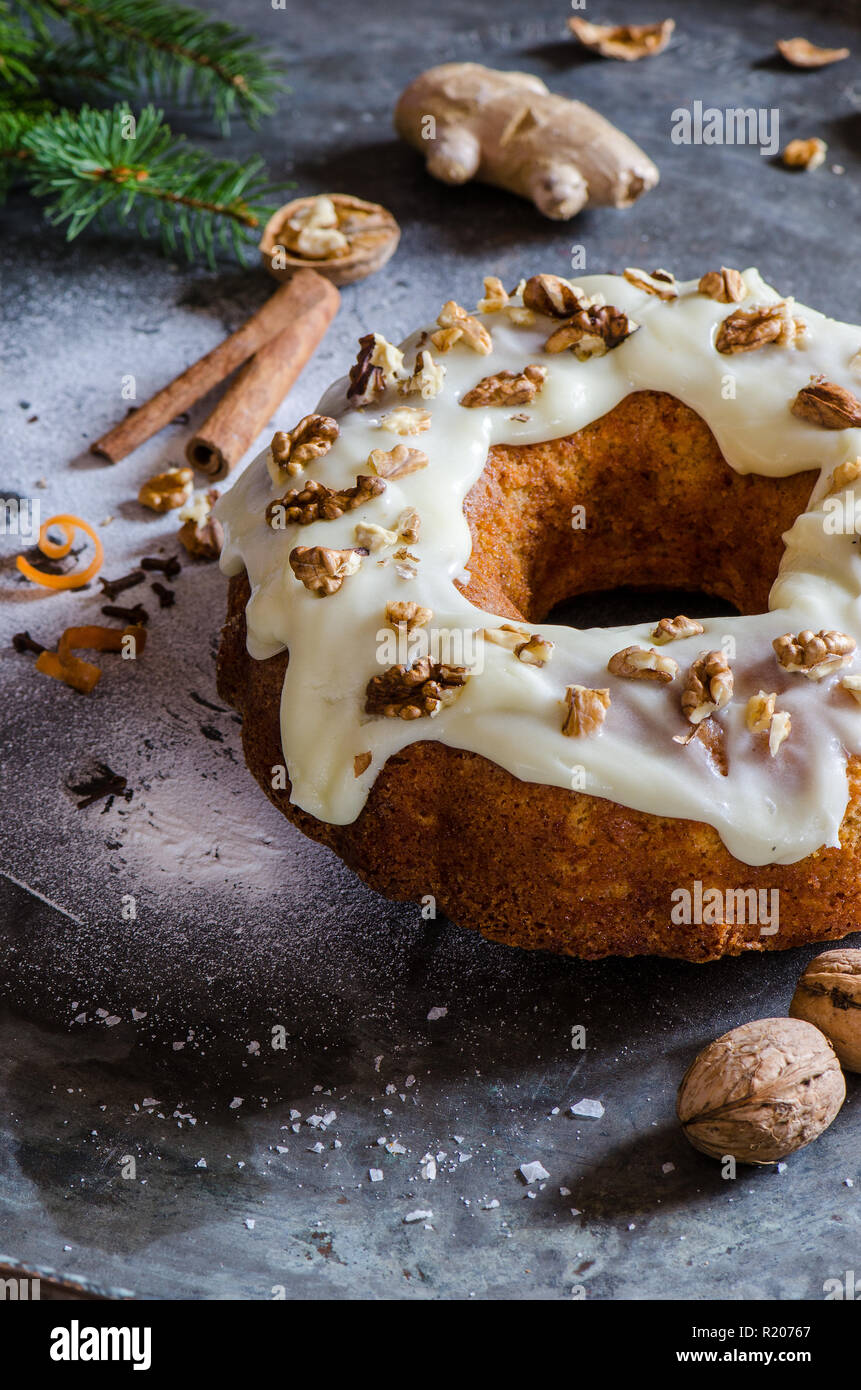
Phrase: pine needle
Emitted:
{"points": [[96, 165], [174, 51]]}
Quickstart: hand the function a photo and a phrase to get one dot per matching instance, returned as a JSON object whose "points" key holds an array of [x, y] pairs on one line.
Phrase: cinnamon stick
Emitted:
{"points": [[261, 386], [275, 315]]}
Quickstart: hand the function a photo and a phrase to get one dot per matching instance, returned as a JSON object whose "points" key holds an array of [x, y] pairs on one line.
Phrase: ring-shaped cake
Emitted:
{"points": [[628, 790]]}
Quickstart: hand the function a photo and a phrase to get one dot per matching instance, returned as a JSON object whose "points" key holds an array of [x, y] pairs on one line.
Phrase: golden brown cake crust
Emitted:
{"points": [[540, 866]]}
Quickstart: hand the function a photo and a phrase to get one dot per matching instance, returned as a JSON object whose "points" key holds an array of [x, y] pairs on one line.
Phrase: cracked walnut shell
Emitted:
{"points": [[337, 235], [626, 42], [761, 1091], [828, 995]]}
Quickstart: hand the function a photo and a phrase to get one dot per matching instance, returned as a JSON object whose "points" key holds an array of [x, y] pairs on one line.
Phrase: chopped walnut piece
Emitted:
{"points": [[361, 763], [379, 365], [746, 330], [587, 710], [520, 315], [592, 332], [814, 654], [401, 614], [760, 712], [537, 651], [640, 663], [825, 404], [553, 296], [505, 636], [781, 725], [371, 537], [202, 535], [676, 629], [724, 285], [410, 692], [406, 419], [626, 42], [506, 388], [496, 297], [322, 570], [397, 462], [801, 53], [427, 377], [529, 647], [290, 450], [406, 564], [852, 685], [763, 718], [843, 475], [805, 154], [409, 525], [317, 243], [165, 491], [660, 282], [316, 502], [708, 687], [456, 324]]}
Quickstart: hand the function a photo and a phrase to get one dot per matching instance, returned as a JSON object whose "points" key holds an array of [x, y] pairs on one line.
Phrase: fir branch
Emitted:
{"points": [[175, 51], [92, 165], [17, 49]]}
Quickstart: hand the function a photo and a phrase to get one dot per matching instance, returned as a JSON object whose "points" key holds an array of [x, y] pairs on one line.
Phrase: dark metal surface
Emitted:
{"points": [[151, 1037]]}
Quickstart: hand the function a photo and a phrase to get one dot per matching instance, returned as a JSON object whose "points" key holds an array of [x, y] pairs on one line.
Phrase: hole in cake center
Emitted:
{"points": [[627, 605], [641, 499]]}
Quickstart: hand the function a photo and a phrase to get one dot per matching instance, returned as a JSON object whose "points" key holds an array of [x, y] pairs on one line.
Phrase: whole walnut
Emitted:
{"points": [[761, 1091], [828, 995]]}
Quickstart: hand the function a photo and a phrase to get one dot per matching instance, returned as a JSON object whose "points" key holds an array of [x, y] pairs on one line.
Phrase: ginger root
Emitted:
{"points": [[507, 129]]}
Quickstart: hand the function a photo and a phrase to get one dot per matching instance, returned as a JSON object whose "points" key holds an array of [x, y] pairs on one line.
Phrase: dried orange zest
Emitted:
{"points": [[98, 639], [56, 550], [81, 675]]}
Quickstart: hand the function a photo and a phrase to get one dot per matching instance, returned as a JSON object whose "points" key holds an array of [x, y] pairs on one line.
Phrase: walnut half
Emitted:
{"points": [[644, 664], [316, 502], [747, 330], [828, 405], [586, 710], [814, 654], [708, 687], [506, 388], [592, 332], [724, 285], [411, 692], [676, 629], [290, 450], [322, 570]]}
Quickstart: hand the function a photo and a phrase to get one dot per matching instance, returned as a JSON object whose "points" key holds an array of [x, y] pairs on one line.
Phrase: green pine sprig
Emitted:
{"points": [[18, 48], [96, 166], [173, 51]]}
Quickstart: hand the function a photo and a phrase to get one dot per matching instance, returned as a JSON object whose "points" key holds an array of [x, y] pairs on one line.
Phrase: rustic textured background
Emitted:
{"points": [[138, 1037]]}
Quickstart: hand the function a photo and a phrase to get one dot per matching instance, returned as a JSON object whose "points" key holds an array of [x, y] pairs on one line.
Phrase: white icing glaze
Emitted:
{"points": [[766, 810]]}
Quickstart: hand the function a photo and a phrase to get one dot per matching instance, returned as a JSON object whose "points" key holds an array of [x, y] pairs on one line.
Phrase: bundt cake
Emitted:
{"points": [[683, 788]]}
